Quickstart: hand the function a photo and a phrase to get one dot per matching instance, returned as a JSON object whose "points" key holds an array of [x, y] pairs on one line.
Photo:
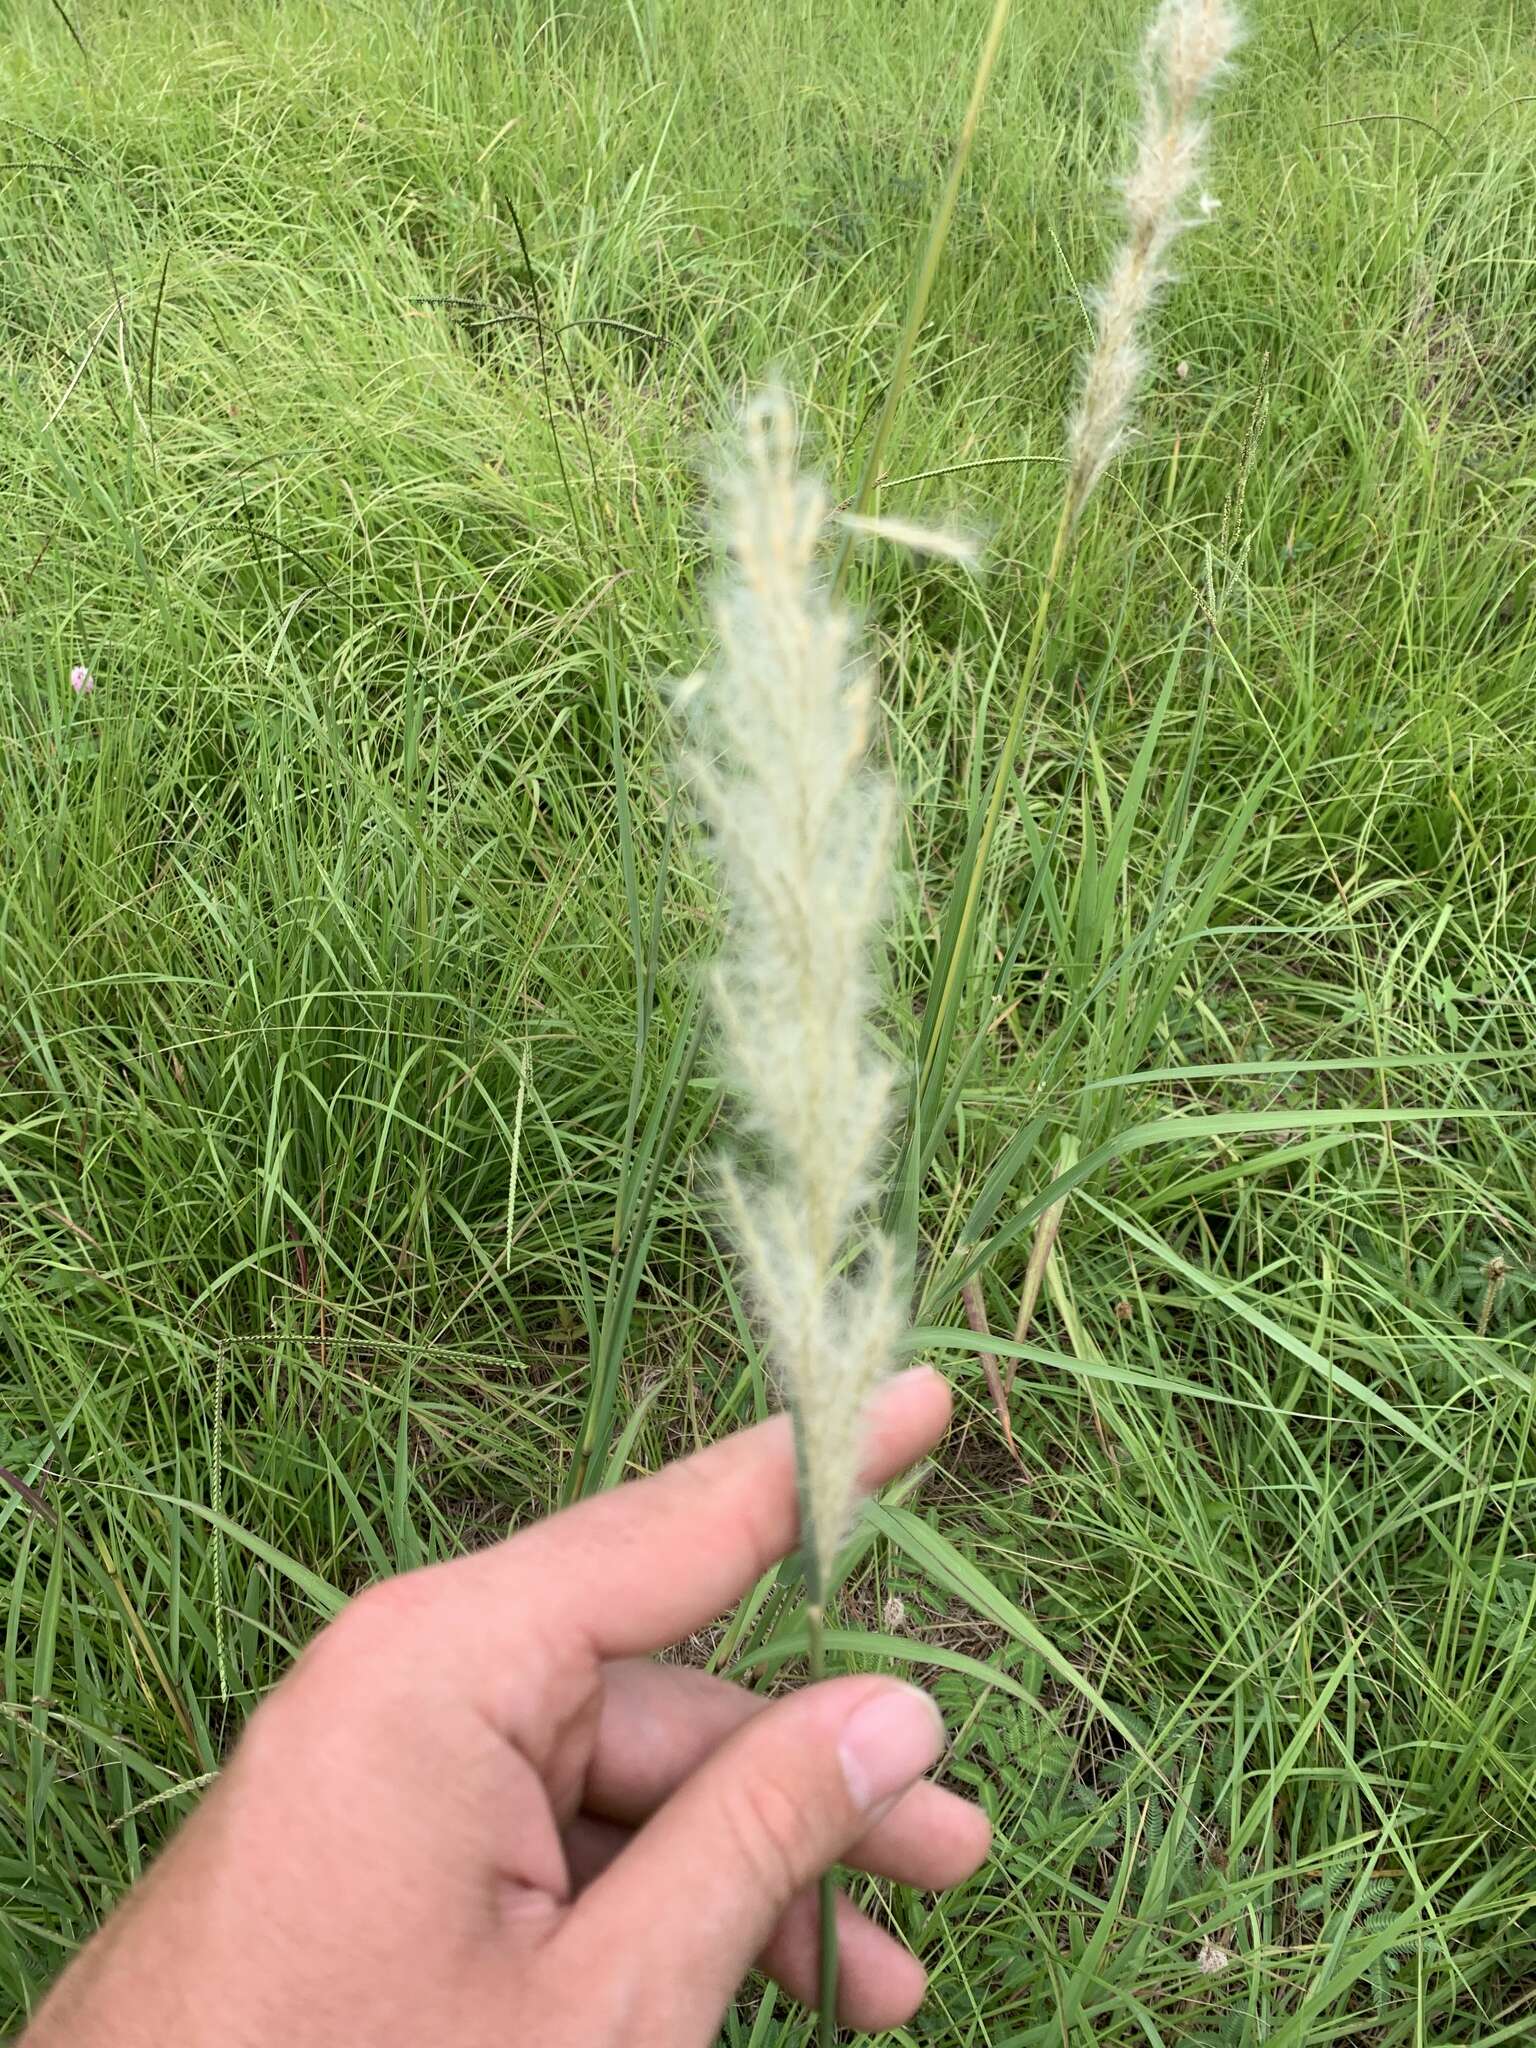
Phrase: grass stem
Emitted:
{"points": [[826, 2018], [937, 1035], [922, 283]]}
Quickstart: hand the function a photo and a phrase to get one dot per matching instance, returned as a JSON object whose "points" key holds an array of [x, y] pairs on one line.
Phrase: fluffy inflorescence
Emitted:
{"points": [[1186, 49], [801, 830]]}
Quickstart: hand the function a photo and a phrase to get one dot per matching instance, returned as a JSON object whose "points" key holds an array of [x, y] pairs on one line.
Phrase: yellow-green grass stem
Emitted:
{"points": [[922, 282], [959, 959], [826, 2019]]}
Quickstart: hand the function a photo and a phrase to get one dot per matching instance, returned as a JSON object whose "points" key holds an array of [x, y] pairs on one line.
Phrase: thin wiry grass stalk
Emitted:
{"points": [[826, 1890], [923, 280]]}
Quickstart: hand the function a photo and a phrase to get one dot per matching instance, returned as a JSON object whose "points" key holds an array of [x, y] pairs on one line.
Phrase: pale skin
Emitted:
{"points": [[476, 1812]]}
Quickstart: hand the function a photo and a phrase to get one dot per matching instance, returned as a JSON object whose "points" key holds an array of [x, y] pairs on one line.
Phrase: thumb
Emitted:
{"points": [[697, 1893]]}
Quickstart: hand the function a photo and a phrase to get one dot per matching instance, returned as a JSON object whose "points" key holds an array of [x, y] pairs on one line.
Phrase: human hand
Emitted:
{"points": [[473, 1814]]}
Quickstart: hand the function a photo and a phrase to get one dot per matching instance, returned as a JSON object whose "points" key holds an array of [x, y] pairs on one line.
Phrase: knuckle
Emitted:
{"points": [[342, 1646], [335, 1683], [354, 1658], [769, 1829], [278, 1738], [697, 1494], [379, 1621]]}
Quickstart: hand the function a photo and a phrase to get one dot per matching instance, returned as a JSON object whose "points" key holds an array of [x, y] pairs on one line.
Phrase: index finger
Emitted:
{"points": [[639, 1568]]}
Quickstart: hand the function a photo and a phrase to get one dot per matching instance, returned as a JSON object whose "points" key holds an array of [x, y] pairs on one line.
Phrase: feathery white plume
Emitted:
{"points": [[1187, 47], [907, 533], [802, 833]]}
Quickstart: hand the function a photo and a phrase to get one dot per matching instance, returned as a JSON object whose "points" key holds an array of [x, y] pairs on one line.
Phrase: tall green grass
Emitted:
{"points": [[349, 1110]]}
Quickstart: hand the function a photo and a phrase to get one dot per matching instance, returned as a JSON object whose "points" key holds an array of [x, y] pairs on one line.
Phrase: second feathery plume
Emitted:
{"points": [[1185, 52]]}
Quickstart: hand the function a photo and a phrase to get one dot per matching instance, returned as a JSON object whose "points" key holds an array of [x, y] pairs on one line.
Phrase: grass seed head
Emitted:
{"points": [[802, 833], [1186, 50]]}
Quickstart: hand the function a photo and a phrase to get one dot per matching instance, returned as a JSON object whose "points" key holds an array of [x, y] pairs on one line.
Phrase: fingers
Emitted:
{"points": [[706, 1881], [648, 1563], [660, 1722], [879, 1984]]}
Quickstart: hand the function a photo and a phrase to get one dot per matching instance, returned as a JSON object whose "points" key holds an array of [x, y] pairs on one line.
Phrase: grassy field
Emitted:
{"points": [[354, 1198]]}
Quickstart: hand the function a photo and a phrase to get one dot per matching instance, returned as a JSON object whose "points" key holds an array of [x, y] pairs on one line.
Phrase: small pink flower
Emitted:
{"points": [[82, 682]]}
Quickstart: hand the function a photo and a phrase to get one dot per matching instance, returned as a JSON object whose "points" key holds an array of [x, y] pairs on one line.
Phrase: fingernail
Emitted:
{"points": [[888, 1743]]}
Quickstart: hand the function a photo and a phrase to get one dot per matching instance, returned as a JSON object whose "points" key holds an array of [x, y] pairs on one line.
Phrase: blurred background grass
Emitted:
{"points": [[359, 365]]}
